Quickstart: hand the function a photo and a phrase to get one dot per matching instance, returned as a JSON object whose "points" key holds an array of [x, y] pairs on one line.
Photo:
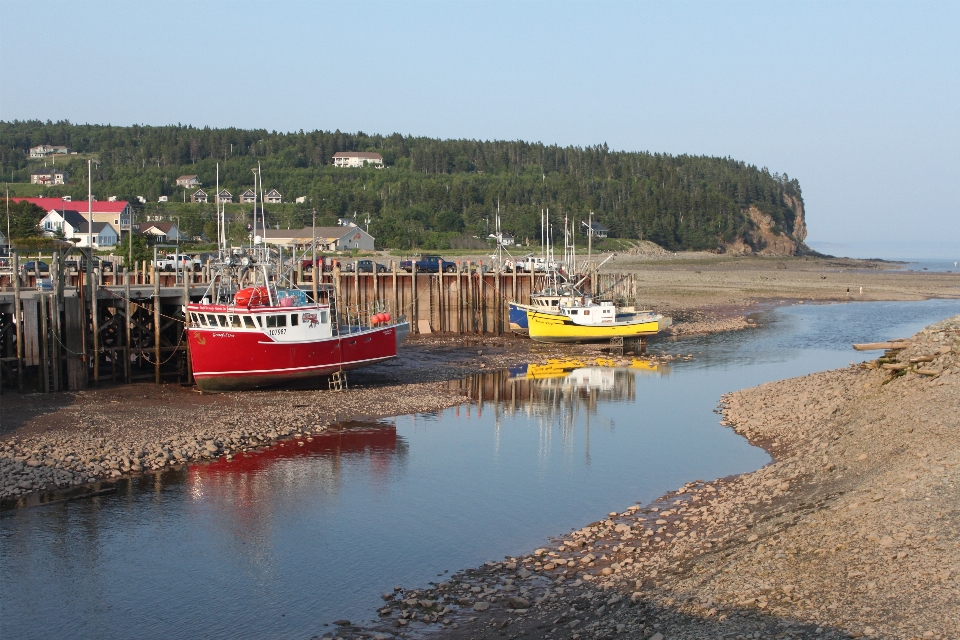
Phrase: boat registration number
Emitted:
{"points": [[276, 332]]}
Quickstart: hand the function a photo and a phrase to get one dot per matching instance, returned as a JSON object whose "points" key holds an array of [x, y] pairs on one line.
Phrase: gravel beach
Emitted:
{"points": [[852, 531]]}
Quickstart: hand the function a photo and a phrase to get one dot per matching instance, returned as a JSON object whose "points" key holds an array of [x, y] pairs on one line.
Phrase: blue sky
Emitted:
{"points": [[859, 101]]}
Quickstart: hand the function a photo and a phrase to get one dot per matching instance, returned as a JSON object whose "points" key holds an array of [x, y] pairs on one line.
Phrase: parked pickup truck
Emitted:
{"points": [[429, 264], [173, 262]]}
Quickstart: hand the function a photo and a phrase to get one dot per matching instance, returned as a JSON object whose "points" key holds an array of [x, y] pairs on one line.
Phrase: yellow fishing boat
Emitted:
{"points": [[592, 322]]}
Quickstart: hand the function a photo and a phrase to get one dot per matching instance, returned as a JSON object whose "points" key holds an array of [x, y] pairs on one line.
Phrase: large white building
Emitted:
{"points": [[357, 159]]}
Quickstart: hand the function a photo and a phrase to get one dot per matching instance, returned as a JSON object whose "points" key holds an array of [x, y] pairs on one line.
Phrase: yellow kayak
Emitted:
{"points": [[550, 327]]}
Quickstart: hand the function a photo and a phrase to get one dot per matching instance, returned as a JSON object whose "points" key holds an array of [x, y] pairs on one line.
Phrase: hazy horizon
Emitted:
{"points": [[858, 101]]}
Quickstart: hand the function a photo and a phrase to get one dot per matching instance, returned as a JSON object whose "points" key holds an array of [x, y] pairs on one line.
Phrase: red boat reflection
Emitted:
{"points": [[344, 438]]}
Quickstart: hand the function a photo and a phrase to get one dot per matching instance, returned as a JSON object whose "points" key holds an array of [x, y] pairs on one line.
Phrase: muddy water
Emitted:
{"points": [[281, 542]]}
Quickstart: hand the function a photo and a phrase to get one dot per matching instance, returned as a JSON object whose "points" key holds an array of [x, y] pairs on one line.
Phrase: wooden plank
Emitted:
{"points": [[876, 346]]}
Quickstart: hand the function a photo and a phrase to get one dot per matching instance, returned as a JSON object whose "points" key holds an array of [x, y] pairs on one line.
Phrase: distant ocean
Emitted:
{"points": [[932, 256]]}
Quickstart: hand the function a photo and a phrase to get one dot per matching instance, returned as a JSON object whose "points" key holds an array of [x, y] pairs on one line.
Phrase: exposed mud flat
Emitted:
{"points": [[851, 532]]}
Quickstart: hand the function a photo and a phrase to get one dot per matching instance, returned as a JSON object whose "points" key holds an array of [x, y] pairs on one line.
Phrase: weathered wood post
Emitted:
{"points": [[45, 381], [186, 327], [483, 298], [126, 313], [498, 304], [95, 317], [459, 299], [415, 308], [156, 325], [472, 317], [396, 292], [18, 319]]}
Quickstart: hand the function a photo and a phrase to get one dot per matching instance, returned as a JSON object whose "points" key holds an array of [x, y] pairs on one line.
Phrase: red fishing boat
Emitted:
{"points": [[261, 335]]}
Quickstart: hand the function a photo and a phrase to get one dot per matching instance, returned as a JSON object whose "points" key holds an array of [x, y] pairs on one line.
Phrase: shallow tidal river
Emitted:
{"points": [[276, 544]]}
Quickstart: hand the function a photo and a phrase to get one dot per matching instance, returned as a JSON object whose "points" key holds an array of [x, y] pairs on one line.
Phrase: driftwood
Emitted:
{"points": [[921, 359], [928, 372], [876, 346], [895, 367]]}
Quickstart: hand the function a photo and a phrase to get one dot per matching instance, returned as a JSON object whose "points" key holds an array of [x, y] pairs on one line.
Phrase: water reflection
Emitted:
{"points": [[555, 394]]}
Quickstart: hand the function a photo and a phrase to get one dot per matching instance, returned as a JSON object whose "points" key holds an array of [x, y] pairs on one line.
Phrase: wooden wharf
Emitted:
{"points": [[77, 329]]}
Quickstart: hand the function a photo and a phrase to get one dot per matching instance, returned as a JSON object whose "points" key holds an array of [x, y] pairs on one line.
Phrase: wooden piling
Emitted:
{"points": [[156, 325], [18, 319], [396, 292], [415, 311], [186, 327], [95, 315], [129, 322], [459, 299]]}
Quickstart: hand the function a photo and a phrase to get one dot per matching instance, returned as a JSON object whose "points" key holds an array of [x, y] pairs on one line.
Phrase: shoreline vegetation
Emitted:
{"points": [[848, 532], [432, 194]]}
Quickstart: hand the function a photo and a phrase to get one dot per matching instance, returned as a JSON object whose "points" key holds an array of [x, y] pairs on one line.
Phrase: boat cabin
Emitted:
{"points": [[591, 313], [282, 324]]}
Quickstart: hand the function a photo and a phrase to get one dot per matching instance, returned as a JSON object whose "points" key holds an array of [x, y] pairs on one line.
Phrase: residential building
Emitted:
{"points": [[188, 182], [161, 232], [273, 197], [248, 197], [74, 227], [357, 159], [199, 196], [301, 199], [163, 199], [44, 150], [224, 196], [599, 231], [331, 238], [118, 214], [48, 176]]}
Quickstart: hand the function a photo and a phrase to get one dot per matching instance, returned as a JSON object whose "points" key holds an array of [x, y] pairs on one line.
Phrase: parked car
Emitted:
{"points": [[369, 266], [80, 264], [429, 264], [174, 261], [32, 265]]}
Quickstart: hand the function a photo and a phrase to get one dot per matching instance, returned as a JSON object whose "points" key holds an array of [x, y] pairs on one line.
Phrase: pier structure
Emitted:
{"points": [[66, 328]]}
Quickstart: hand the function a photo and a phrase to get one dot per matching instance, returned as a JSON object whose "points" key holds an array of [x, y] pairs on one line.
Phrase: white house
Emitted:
{"points": [[104, 235], [248, 197], [199, 196], [224, 196], [273, 197], [48, 176], [301, 199], [45, 150], [161, 231], [188, 181], [357, 159], [74, 228], [331, 238]]}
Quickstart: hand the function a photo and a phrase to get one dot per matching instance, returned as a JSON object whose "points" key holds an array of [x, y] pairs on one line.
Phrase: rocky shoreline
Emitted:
{"points": [[852, 531]]}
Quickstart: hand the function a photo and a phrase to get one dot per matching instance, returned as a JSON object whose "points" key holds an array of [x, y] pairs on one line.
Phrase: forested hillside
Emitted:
{"points": [[433, 193]]}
